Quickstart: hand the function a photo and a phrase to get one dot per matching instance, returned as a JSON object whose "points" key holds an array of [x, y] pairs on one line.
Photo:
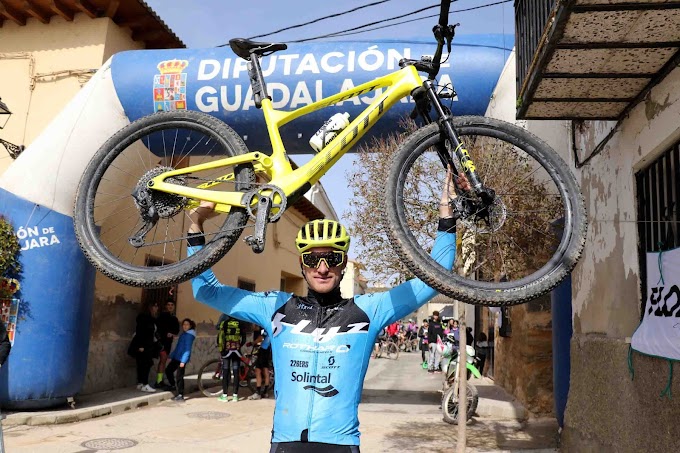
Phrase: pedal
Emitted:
{"points": [[256, 241]]}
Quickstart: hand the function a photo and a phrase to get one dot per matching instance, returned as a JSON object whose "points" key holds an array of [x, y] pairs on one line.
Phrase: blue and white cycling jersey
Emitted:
{"points": [[320, 353]]}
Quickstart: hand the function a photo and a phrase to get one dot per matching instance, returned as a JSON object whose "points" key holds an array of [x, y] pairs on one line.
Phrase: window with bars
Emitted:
{"points": [[658, 206], [162, 295]]}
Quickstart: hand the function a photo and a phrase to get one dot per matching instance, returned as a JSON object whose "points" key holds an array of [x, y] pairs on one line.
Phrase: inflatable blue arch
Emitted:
{"points": [[49, 358]]}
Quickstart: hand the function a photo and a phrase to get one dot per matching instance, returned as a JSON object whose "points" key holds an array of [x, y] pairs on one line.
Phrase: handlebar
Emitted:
{"points": [[444, 13], [443, 33]]}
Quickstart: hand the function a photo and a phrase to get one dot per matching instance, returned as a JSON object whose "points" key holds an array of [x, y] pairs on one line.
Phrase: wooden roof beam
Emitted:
{"points": [[86, 7], [146, 36], [11, 14], [133, 22], [112, 9], [31, 9], [62, 10]]}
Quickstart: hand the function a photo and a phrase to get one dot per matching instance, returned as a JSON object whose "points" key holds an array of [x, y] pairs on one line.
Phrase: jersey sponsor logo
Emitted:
{"points": [[299, 364], [326, 392], [304, 318], [331, 364], [309, 378], [320, 334], [340, 349]]}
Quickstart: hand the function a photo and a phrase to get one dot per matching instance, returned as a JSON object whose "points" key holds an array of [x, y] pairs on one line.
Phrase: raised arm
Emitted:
{"points": [[407, 297], [248, 306]]}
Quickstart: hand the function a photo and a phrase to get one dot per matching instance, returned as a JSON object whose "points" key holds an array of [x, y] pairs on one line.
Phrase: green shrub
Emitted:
{"points": [[9, 250]]}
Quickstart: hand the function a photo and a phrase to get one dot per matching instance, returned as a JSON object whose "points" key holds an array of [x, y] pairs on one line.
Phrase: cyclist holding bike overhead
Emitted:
{"points": [[322, 343]]}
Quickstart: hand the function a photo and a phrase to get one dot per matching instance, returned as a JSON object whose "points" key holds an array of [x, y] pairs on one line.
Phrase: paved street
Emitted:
{"points": [[400, 410]]}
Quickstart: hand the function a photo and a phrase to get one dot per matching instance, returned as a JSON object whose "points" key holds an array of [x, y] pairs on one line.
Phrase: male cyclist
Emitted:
{"points": [[321, 343]]}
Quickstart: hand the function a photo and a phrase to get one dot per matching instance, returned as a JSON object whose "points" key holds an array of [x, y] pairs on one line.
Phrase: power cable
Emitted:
{"points": [[320, 19], [349, 32], [437, 5]]}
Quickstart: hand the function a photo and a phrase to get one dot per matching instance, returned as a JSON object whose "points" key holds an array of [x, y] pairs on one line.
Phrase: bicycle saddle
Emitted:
{"points": [[244, 47]]}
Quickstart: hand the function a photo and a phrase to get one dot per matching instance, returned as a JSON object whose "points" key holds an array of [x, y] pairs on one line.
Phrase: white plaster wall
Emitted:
{"points": [[606, 295]]}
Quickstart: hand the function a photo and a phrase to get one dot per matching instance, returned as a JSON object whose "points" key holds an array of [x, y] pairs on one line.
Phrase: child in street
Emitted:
{"points": [[180, 356]]}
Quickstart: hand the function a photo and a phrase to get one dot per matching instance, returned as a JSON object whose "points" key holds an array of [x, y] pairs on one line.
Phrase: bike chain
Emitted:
{"points": [[182, 238]]}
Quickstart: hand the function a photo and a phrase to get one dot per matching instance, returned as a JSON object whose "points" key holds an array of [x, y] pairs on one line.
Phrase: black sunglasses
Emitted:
{"points": [[332, 259]]}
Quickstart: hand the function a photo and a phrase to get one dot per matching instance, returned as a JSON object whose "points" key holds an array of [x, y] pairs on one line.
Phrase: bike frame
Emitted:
{"points": [[277, 168]]}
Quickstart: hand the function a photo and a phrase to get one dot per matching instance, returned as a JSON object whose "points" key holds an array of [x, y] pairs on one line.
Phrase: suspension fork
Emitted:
{"points": [[446, 126]]}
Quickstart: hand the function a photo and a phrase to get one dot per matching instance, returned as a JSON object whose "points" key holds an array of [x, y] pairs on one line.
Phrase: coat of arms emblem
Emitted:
{"points": [[170, 86]]}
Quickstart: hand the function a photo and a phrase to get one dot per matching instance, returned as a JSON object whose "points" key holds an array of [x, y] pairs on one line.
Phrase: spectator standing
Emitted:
{"points": [[145, 345], [168, 328], [180, 356], [434, 331], [482, 347], [230, 339], [422, 334], [264, 356], [411, 329]]}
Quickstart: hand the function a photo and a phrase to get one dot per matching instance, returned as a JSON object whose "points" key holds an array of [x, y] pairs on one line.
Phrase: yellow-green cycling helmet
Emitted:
{"points": [[322, 233]]}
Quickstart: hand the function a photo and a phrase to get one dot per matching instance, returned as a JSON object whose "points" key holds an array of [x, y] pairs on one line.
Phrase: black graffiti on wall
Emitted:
{"points": [[660, 301]]}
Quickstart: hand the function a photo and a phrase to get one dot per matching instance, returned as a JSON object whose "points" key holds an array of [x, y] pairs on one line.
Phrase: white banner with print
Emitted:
{"points": [[659, 332]]}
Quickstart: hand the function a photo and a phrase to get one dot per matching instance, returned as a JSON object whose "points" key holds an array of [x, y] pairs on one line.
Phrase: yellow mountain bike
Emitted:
{"points": [[521, 227]]}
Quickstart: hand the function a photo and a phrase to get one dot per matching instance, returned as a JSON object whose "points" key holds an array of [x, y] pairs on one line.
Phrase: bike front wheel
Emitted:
{"points": [[135, 234], [450, 405], [509, 252], [210, 378]]}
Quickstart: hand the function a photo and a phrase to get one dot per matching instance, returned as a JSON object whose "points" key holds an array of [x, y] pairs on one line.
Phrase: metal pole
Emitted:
{"points": [[462, 379]]}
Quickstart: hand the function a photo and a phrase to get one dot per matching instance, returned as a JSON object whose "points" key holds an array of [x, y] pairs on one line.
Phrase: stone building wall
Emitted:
{"points": [[523, 361]]}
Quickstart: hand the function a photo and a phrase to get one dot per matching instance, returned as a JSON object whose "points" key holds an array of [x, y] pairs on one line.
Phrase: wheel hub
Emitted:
{"points": [[482, 216]]}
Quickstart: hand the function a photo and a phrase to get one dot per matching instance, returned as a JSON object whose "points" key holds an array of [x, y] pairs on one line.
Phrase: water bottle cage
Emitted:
{"points": [[325, 133]]}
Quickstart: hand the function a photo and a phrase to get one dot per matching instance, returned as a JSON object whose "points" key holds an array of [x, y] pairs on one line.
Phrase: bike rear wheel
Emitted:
{"points": [[392, 351], [210, 378], [246, 376], [514, 250], [114, 202]]}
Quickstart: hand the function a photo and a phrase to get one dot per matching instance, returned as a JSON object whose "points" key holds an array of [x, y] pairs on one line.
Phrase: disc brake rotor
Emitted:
{"points": [[479, 217]]}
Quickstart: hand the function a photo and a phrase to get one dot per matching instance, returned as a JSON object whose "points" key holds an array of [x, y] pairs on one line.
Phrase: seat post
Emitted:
{"points": [[257, 80]]}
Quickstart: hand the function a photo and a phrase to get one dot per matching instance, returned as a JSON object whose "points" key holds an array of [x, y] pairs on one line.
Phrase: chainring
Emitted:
{"points": [[250, 201]]}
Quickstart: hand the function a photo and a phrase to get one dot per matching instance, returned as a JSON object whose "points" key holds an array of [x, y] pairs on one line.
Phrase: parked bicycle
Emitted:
{"points": [[387, 349], [210, 374], [522, 223]]}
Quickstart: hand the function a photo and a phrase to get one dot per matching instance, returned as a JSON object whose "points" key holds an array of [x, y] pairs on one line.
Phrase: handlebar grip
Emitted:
{"points": [[444, 13]]}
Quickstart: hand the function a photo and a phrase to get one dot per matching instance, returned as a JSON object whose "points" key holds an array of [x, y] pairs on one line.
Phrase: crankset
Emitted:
{"points": [[262, 207], [484, 213], [154, 205]]}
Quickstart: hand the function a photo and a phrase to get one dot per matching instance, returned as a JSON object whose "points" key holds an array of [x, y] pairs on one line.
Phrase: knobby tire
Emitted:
{"points": [[419, 261], [188, 267]]}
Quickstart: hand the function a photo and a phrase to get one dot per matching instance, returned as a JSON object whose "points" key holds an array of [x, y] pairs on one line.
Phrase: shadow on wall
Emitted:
{"points": [[112, 327]]}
